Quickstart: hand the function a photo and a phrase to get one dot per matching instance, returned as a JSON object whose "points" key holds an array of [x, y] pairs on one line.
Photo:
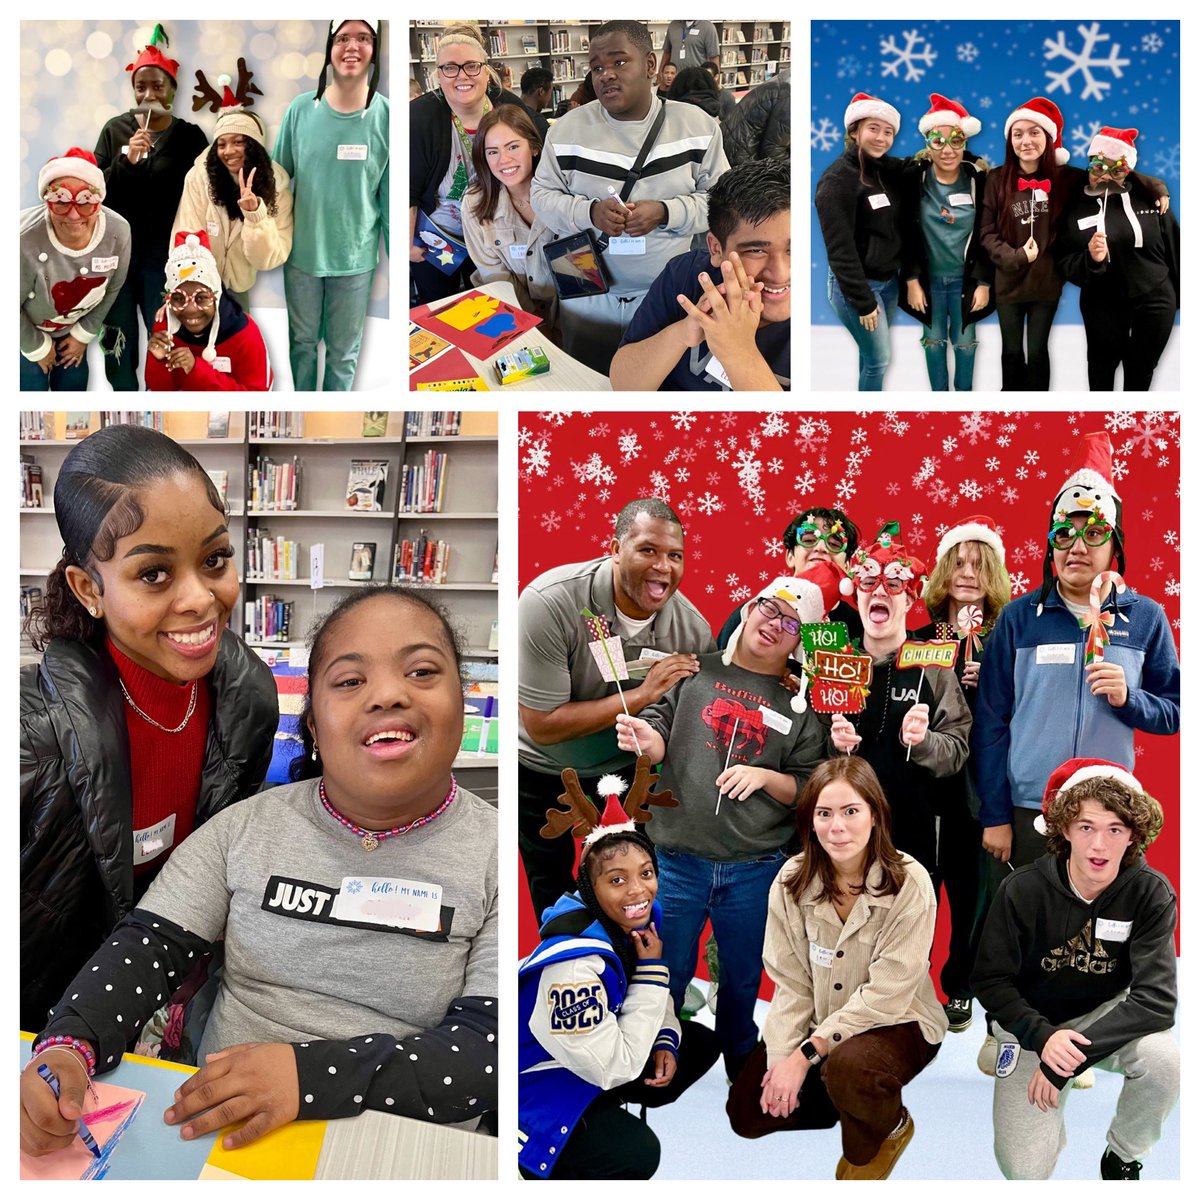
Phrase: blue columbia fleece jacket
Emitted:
{"points": [[1035, 710]]}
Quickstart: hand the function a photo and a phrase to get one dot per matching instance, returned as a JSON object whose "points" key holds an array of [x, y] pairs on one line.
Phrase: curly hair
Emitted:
{"points": [[993, 581], [600, 851], [1139, 810], [223, 188]]}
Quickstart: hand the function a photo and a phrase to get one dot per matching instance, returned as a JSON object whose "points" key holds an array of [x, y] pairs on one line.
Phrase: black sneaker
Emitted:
{"points": [[958, 1013], [1114, 1167]]}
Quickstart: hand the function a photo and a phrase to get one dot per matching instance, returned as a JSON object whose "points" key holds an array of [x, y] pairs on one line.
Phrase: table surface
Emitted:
{"points": [[373, 1145], [566, 374]]}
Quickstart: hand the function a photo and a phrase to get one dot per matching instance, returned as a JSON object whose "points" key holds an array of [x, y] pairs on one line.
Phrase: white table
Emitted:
{"points": [[376, 1145], [566, 374]]}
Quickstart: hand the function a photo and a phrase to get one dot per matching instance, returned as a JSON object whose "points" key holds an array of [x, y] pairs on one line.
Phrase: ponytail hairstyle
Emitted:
{"points": [[467, 33], [96, 503]]}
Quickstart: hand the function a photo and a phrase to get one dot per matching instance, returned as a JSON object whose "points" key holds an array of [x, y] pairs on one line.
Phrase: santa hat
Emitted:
{"points": [[944, 111], [152, 56], [1046, 116], [376, 27], [863, 107], [235, 118], [972, 529], [886, 558], [1089, 489], [613, 818], [1115, 144], [1077, 770], [191, 261], [77, 164]]}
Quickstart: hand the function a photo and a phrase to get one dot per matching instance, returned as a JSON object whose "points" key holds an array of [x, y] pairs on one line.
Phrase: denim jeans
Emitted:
{"points": [[332, 308], [734, 896], [60, 379], [946, 325], [143, 291], [874, 348]]}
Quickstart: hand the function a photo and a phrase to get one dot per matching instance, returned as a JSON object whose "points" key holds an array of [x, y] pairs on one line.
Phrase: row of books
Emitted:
{"points": [[268, 619], [433, 424], [31, 483], [421, 560], [33, 426], [264, 425], [147, 420], [271, 557], [422, 485], [31, 598], [273, 486]]}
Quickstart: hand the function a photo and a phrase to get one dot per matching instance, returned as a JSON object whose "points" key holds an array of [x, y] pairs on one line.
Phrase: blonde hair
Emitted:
{"points": [[993, 579], [467, 33]]}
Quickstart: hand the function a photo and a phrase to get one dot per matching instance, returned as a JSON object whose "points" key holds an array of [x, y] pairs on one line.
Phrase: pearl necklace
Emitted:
{"points": [[146, 717], [371, 839]]}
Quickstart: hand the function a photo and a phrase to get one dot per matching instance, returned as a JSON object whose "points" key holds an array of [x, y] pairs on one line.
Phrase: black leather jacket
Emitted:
{"points": [[76, 811]]}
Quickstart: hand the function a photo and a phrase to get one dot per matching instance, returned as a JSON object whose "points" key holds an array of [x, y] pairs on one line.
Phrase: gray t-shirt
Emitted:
{"points": [[556, 667], [691, 43]]}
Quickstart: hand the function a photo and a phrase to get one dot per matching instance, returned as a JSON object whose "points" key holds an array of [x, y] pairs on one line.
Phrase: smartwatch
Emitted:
{"points": [[810, 1052]]}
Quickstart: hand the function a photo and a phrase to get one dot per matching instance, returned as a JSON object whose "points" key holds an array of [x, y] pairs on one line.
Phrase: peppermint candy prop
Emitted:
{"points": [[970, 622], [1097, 623]]}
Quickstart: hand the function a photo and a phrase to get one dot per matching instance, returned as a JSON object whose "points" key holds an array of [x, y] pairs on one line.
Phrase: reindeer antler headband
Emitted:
{"points": [[587, 822]]}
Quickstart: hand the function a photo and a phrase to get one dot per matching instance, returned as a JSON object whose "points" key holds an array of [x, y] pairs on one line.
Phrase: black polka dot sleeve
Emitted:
{"points": [[124, 983], [443, 1074]]}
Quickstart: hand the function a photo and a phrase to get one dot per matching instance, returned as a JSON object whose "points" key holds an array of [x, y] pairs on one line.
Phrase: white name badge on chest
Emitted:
{"points": [[105, 264], [1113, 931], [879, 200], [352, 152], [221, 363], [627, 245], [819, 956], [518, 251], [962, 200], [717, 371], [1056, 653], [649, 655], [214, 229], [774, 720], [149, 843], [400, 903]]}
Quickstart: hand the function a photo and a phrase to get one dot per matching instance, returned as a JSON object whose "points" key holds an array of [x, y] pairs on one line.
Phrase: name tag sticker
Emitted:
{"points": [[222, 363], [652, 655], [1092, 222], [819, 956], [627, 245], [105, 264], [149, 843], [518, 251], [880, 200], [1056, 654], [774, 720], [717, 371], [214, 229], [962, 200], [401, 903], [1113, 931], [353, 152]]}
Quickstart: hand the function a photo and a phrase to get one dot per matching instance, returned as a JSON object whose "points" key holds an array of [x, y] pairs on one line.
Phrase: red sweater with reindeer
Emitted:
{"points": [[697, 719]]}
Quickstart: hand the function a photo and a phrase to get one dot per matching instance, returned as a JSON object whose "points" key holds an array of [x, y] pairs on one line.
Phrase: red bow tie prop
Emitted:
{"points": [[1029, 185]]}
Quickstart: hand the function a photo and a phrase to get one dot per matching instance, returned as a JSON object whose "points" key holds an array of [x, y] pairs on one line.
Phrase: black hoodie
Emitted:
{"points": [[1046, 958]]}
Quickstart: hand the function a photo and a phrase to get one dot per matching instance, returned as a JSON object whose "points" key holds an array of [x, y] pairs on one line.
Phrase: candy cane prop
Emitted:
{"points": [[970, 621], [1097, 623]]}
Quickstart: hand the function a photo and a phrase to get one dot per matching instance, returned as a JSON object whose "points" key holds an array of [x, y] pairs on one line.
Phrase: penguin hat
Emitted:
{"points": [[376, 28], [191, 261]]}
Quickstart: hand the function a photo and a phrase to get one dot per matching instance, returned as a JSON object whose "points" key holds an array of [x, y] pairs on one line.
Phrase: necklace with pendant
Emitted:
{"points": [[372, 838]]}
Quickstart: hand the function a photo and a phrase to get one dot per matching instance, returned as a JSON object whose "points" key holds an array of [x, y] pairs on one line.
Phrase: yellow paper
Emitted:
{"points": [[468, 313], [288, 1153]]}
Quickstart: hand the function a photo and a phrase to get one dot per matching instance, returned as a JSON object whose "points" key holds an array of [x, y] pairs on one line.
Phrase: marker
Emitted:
{"points": [[612, 191], [85, 1133]]}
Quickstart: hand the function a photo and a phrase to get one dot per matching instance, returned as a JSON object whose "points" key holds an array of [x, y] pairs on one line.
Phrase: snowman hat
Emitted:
{"points": [[191, 261], [944, 111]]}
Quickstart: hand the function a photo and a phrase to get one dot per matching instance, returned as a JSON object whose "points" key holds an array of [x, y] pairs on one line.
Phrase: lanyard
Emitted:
{"points": [[462, 133]]}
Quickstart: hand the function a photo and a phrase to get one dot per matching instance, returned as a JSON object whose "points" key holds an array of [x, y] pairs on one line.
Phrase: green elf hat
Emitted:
{"points": [[152, 56]]}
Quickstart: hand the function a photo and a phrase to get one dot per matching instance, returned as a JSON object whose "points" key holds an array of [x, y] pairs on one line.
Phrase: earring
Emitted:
{"points": [[314, 752], [94, 611]]}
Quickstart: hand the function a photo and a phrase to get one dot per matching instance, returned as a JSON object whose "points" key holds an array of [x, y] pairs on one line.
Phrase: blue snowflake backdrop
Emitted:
{"points": [[1119, 73]]}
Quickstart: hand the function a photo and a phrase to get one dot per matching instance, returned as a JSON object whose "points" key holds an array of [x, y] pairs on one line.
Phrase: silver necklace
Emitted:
{"points": [[145, 717]]}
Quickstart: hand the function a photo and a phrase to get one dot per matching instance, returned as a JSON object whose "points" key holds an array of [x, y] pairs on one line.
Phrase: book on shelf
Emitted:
{"points": [[423, 484], [268, 619], [273, 486], [31, 483], [144, 420], [265, 425], [421, 560], [366, 484], [494, 636], [218, 424], [270, 557], [433, 424], [374, 424], [31, 598], [220, 481], [36, 426], [529, 43], [78, 425], [362, 561]]}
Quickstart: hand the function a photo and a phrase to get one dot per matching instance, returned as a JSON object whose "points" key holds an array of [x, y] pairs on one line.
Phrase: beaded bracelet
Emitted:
{"points": [[70, 1043]]}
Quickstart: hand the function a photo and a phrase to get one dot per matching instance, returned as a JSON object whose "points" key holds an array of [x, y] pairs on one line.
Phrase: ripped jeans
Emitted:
{"points": [[946, 308]]}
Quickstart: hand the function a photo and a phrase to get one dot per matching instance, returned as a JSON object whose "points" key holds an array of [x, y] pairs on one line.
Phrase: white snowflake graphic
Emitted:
{"points": [[992, 464], [354, 886], [1166, 162], [1151, 43], [968, 52], [683, 475], [1156, 563], [975, 427], [524, 435], [775, 466], [775, 425], [805, 484], [1081, 137], [537, 458], [593, 470], [683, 421], [732, 580], [660, 485], [848, 67], [985, 102], [908, 57], [824, 136], [925, 473], [1020, 583], [1085, 61], [709, 504], [1172, 586], [1148, 436], [812, 435], [629, 445], [740, 594], [892, 424], [554, 418], [970, 488], [551, 521]]}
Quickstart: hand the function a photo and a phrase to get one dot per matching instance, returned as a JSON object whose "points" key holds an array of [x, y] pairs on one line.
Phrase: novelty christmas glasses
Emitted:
{"points": [[1106, 166], [956, 141], [868, 583], [1063, 534], [61, 200], [179, 300], [809, 535]]}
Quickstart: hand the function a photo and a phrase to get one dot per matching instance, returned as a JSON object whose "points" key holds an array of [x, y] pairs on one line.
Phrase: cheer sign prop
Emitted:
{"points": [[939, 655]]}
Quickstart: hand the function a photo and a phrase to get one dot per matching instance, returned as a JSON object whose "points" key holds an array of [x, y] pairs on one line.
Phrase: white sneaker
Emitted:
{"points": [[1086, 1080], [986, 1061], [711, 1002]]}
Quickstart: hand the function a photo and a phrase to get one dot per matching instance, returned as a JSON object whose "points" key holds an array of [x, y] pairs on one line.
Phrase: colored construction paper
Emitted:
{"points": [[446, 367], [476, 322], [108, 1111], [290, 1152]]}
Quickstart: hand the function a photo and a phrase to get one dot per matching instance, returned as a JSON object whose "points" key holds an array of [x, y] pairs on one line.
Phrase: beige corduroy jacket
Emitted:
{"points": [[879, 957]]}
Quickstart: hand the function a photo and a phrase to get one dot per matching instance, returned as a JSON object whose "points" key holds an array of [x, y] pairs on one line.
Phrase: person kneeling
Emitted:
{"points": [[199, 313], [693, 334], [1076, 969]]}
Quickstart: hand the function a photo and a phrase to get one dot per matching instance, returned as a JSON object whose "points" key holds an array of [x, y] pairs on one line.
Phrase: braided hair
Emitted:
{"points": [[620, 939]]}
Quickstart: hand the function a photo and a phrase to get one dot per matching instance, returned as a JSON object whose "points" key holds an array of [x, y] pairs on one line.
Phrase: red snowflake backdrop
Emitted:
{"points": [[736, 479]]}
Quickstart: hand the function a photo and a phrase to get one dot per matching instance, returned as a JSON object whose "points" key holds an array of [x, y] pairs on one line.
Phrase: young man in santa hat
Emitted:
{"points": [[1077, 968], [204, 342], [736, 746], [1040, 700]]}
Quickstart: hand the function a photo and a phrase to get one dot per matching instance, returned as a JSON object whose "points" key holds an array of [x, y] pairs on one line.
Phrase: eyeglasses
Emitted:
{"points": [[809, 535], [789, 625], [869, 583], [956, 141], [359, 39], [1105, 166], [1064, 535], [451, 70], [180, 300], [61, 201]]}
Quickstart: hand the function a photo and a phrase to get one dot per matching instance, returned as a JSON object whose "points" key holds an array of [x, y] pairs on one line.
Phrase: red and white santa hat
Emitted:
{"points": [[1076, 770], [863, 107], [77, 164], [1115, 144], [1046, 116], [972, 529], [944, 111], [613, 817], [191, 261]]}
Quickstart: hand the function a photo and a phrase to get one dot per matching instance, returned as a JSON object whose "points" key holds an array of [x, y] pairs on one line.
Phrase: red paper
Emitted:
{"points": [[475, 322], [451, 364]]}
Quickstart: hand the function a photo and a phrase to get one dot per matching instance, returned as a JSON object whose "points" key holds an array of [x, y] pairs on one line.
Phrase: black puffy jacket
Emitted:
{"points": [[76, 808], [762, 125]]}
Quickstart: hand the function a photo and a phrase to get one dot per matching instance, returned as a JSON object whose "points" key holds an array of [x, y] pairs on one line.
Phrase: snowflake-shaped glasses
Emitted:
{"points": [[772, 611]]}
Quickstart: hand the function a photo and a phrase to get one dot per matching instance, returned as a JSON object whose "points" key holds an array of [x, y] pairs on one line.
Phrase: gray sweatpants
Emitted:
{"points": [[1029, 1141]]}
